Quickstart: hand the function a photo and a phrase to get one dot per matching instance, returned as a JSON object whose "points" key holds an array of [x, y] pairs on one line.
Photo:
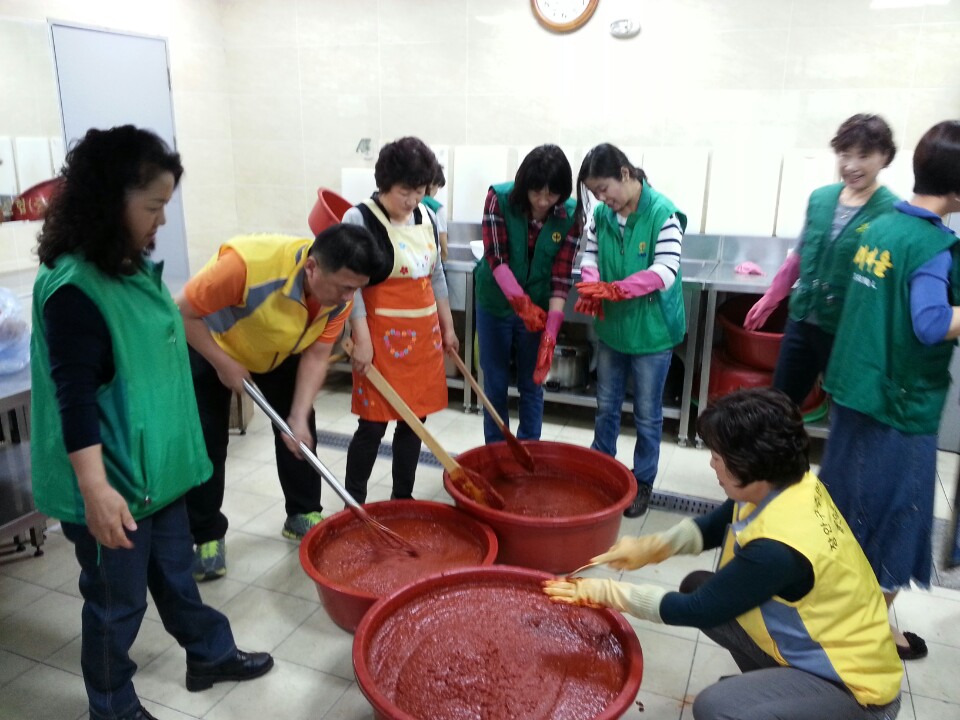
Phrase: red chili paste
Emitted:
{"points": [[550, 493], [360, 559], [496, 651]]}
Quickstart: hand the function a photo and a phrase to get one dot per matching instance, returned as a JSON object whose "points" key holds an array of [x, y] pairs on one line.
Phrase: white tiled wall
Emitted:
{"points": [[271, 99]]}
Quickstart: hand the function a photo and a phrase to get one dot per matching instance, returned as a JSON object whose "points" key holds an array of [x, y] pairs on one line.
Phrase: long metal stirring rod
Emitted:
{"points": [[254, 392]]}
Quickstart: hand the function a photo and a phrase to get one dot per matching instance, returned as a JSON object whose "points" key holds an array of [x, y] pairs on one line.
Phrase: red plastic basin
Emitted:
{"points": [[352, 568], [727, 376], [753, 348], [328, 210], [487, 643], [584, 491]]}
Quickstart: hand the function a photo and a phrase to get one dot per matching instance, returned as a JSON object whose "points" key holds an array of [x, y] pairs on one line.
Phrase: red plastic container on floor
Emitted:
{"points": [[727, 376], [328, 210], [486, 642], [568, 539], [347, 562], [753, 348]]}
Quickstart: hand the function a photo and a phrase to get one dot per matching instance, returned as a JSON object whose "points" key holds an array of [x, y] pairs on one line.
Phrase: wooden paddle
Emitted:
{"points": [[520, 453], [469, 482]]}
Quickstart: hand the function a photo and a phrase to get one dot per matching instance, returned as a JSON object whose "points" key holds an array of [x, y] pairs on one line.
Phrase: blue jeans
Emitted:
{"points": [[114, 586], [649, 374], [497, 337]]}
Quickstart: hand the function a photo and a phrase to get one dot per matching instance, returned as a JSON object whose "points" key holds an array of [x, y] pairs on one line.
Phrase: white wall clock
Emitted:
{"points": [[563, 15]]}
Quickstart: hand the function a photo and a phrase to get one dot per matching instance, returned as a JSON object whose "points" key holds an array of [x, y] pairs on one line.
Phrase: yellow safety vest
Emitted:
{"points": [[839, 630], [271, 323]]}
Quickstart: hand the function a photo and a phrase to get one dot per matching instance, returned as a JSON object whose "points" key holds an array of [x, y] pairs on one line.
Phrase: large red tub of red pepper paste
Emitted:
{"points": [[352, 567], [487, 643], [557, 517]]}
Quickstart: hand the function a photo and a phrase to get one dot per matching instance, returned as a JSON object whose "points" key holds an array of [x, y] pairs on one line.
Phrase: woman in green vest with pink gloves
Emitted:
{"points": [[836, 217], [889, 373], [631, 284], [530, 239]]}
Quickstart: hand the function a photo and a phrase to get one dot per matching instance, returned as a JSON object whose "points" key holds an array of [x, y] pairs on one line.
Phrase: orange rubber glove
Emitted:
{"points": [[600, 291], [547, 344]]}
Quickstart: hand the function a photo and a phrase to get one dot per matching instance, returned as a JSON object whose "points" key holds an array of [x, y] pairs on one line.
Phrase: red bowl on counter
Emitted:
{"points": [[32, 203], [486, 642], [556, 518], [754, 348], [353, 568]]}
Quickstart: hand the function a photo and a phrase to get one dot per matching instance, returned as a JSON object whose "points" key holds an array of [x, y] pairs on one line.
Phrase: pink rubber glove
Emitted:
{"points": [[507, 281], [554, 321], [639, 284], [589, 273], [749, 268], [779, 289], [532, 315]]}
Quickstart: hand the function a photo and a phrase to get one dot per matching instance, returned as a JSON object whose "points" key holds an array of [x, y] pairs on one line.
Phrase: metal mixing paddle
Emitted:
{"points": [[383, 532]]}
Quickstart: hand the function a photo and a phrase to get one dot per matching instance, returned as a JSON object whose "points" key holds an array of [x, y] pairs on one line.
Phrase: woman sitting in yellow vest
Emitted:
{"points": [[794, 601]]}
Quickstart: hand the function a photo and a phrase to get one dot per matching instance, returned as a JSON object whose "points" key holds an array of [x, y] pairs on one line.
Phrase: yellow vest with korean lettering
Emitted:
{"points": [[272, 322], [839, 630]]}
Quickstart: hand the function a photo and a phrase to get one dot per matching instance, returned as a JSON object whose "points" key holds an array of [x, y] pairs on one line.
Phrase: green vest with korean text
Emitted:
{"points": [[825, 263], [653, 322], [533, 274], [878, 366], [152, 443]]}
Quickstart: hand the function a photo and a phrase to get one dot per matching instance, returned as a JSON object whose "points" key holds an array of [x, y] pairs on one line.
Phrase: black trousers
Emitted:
{"points": [[300, 482], [804, 354], [362, 454]]}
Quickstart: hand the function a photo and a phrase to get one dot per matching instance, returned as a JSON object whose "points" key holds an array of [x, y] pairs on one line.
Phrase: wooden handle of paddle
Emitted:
{"points": [[400, 405], [478, 390]]}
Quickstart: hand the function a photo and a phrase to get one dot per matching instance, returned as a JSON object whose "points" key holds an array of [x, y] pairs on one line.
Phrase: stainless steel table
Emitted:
{"points": [[19, 518]]}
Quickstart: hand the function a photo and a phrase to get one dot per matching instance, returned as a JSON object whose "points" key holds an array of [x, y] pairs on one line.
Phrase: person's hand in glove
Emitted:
{"points": [[639, 284], [642, 601], [631, 553], [547, 344], [593, 308], [534, 317], [779, 289], [600, 291]]}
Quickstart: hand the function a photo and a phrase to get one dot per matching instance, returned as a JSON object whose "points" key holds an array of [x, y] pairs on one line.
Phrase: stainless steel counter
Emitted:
{"points": [[18, 516]]}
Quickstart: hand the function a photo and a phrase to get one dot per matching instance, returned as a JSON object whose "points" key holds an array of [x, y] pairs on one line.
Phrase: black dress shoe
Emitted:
{"points": [[140, 714], [639, 505], [240, 666]]}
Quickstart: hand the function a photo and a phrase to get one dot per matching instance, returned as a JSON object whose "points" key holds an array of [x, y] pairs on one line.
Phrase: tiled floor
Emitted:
{"points": [[273, 605]]}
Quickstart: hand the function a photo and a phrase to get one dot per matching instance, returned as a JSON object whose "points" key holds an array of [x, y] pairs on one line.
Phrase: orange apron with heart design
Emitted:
{"points": [[404, 327]]}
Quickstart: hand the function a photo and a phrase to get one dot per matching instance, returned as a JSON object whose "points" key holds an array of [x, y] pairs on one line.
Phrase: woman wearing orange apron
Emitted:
{"points": [[401, 321]]}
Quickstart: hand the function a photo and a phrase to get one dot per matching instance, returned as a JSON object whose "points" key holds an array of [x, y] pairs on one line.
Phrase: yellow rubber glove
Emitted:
{"points": [[631, 553], [642, 601]]}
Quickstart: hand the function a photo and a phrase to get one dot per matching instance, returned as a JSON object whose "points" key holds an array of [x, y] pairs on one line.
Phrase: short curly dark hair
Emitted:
{"points": [[870, 133], [759, 433], [407, 161], [88, 213]]}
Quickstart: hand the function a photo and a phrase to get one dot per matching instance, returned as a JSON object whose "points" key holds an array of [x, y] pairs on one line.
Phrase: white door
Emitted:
{"points": [[108, 78]]}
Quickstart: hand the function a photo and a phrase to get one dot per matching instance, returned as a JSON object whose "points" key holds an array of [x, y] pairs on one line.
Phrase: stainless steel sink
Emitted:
{"points": [[696, 269]]}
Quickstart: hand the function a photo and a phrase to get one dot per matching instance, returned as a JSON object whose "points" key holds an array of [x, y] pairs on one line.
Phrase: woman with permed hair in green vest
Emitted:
{"points": [[837, 215], [530, 239]]}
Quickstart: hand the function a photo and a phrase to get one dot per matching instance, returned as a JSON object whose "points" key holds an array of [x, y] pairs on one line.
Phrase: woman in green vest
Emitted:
{"points": [[430, 200], [115, 434], [889, 373], [530, 240], [794, 600], [837, 216], [631, 284]]}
